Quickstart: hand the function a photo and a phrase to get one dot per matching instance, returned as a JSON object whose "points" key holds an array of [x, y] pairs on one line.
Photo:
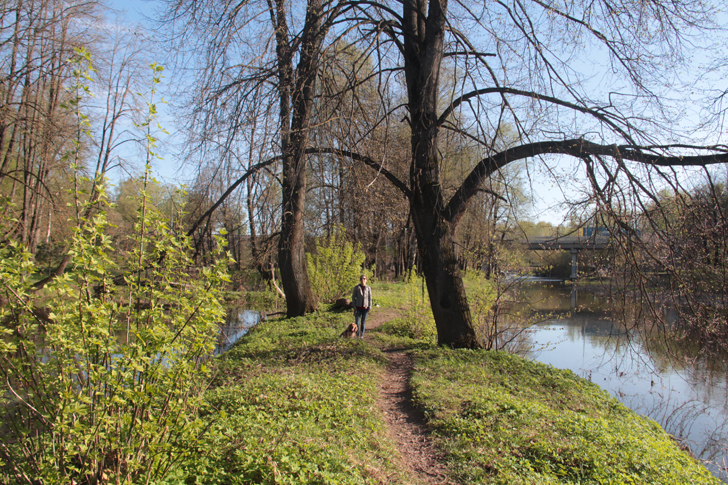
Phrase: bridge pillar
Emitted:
{"points": [[574, 264]]}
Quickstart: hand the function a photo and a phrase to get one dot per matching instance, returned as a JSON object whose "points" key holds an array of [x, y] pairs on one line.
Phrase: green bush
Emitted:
{"points": [[104, 382], [335, 267], [109, 384], [493, 317]]}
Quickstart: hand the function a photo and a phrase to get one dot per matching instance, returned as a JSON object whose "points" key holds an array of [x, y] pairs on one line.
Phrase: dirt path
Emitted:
{"points": [[406, 424]]}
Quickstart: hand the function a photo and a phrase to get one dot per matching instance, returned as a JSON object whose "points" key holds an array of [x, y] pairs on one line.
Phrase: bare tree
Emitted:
{"points": [[37, 39], [352, 115], [533, 84], [289, 61], [44, 43], [118, 76]]}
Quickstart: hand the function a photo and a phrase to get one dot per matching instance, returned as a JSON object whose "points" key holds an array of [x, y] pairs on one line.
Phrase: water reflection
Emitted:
{"points": [[678, 385], [237, 323]]}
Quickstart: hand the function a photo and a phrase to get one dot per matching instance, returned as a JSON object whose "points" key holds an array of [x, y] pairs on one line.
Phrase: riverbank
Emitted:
{"points": [[295, 403]]}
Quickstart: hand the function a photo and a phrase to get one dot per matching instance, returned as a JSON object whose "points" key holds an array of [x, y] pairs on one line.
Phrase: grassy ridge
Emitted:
{"points": [[502, 419], [294, 403]]}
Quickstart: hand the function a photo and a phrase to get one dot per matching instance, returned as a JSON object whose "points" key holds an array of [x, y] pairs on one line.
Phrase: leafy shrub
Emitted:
{"points": [[482, 294], [104, 383], [109, 384], [499, 322], [335, 267], [417, 323]]}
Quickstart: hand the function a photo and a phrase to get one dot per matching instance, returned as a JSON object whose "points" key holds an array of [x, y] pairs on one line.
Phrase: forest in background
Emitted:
{"points": [[352, 162]]}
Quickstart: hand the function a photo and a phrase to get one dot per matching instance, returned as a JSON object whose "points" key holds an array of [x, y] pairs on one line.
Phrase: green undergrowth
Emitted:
{"points": [[505, 420], [405, 333], [416, 326], [388, 294], [293, 403]]}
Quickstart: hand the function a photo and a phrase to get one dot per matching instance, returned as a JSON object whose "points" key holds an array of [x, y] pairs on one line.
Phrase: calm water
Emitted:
{"points": [[237, 323], [680, 388]]}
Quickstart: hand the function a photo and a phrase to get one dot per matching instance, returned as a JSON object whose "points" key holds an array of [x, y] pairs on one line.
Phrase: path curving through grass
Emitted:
{"points": [[406, 423]]}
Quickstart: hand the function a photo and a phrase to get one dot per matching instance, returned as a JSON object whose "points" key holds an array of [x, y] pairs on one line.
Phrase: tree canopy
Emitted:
{"points": [[390, 118]]}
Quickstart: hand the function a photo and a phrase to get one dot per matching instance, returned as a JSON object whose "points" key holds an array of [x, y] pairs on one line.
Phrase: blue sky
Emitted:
{"points": [[548, 191]]}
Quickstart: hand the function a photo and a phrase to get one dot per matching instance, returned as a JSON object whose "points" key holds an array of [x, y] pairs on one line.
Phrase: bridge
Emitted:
{"points": [[574, 244]]}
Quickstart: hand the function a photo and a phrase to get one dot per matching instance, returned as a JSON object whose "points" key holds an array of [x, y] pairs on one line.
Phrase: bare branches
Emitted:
{"points": [[601, 114], [578, 148], [253, 170], [406, 192]]}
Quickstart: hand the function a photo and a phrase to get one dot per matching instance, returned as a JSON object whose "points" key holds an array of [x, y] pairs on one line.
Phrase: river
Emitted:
{"points": [[681, 388], [237, 323]]}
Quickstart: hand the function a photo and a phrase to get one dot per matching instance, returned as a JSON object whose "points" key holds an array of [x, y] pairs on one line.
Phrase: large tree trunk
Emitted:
{"points": [[291, 254], [424, 35], [444, 281], [294, 140]]}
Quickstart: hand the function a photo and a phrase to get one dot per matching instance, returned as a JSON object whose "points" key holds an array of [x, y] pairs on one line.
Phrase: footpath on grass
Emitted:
{"points": [[295, 403], [406, 423]]}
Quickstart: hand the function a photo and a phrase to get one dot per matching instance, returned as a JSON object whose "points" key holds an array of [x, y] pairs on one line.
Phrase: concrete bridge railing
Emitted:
{"points": [[573, 244]]}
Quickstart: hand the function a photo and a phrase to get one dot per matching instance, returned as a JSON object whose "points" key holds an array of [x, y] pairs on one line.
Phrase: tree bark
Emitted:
{"points": [[424, 33], [295, 117], [443, 278]]}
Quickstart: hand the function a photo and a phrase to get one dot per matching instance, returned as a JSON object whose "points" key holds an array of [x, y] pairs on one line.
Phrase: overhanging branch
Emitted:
{"points": [[578, 148], [310, 151], [367, 161], [599, 114]]}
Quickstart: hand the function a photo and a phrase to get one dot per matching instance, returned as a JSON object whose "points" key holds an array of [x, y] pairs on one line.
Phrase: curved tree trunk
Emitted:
{"points": [[423, 51]]}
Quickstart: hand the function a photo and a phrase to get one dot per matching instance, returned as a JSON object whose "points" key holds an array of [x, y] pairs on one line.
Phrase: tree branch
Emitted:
{"points": [[230, 190], [310, 151], [598, 113], [367, 161], [578, 148]]}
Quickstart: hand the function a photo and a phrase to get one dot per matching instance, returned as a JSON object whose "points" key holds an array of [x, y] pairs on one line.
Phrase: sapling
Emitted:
{"points": [[105, 383]]}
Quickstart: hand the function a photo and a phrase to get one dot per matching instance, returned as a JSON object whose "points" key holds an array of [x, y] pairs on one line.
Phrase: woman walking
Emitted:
{"points": [[361, 300]]}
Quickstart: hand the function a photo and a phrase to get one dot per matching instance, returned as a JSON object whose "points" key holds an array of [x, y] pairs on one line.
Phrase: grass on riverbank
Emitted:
{"points": [[294, 403], [505, 420]]}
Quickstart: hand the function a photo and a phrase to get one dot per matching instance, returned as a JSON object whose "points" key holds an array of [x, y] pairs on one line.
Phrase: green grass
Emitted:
{"points": [[505, 420], [388, 294], [294, 403]]}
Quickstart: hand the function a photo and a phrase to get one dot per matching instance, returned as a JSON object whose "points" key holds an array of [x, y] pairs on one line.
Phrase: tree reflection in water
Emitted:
{"points": [[650, 366]]}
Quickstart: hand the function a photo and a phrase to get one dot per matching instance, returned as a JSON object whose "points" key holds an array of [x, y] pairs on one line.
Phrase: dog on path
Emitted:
{"points": [[350, 331]]}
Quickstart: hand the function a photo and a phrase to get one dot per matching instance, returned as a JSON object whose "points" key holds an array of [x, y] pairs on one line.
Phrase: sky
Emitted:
{"points": [[135, 14], [549, 192], [133, 10]]}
